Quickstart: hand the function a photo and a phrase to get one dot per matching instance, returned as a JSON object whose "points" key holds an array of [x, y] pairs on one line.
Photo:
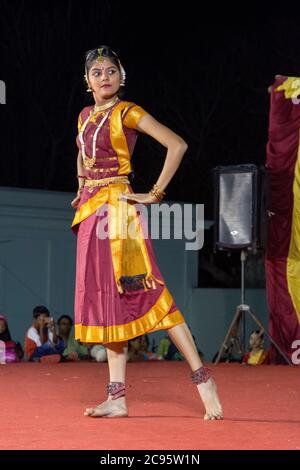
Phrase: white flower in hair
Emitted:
{"points": [[123, 74]]}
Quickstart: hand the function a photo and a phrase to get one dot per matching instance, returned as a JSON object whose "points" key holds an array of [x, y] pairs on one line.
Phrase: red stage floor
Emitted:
{"points": [[42, 408]]}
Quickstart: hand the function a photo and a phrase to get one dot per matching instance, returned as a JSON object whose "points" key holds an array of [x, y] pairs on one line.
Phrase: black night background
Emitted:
{"points": [[202, 72]]}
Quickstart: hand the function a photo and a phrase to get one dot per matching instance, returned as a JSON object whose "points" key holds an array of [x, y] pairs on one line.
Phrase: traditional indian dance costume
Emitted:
{"points": [[120, 292]]}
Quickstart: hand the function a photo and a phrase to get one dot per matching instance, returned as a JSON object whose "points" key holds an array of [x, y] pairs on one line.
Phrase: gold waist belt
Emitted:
{"points": [[92, 184]]}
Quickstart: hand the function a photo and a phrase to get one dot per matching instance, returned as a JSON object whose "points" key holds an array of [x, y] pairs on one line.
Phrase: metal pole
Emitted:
{"points": [[243, 337]]}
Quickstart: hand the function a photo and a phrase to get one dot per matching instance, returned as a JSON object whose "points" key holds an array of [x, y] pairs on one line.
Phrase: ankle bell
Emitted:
{"points": [[116, 390], [200, 375]]}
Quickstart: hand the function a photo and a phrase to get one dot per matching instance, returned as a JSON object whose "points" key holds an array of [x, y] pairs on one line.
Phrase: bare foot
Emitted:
{"points": [[209, 396], [109, 409]]}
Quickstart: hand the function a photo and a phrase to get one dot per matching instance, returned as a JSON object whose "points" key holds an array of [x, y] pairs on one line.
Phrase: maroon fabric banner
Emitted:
{"points": [[282, 153]]}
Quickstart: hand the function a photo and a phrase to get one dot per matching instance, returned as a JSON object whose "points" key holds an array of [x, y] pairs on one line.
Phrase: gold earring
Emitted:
{"points": [[88, 85]]}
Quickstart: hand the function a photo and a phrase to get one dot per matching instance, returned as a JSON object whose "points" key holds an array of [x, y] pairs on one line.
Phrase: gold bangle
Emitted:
{"points": [[156, 195], [157, 192], [157, 188]]}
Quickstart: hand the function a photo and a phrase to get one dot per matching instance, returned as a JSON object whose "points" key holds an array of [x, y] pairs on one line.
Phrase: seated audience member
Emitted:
{"points": [[12, 351], [257, 354], [163, 347], [231, 351], [173, 354], [138, 349], [41, 341], [73, 350]]}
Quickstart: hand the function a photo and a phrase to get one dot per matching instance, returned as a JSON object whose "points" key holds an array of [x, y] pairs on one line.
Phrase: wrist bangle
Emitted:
{"points": [[81, 176], [156, 195], [157, 188], [157, 192]]}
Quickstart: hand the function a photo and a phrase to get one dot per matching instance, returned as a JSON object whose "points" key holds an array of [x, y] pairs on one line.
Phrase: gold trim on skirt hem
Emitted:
{"points": [[170, 320], [155, 319]]}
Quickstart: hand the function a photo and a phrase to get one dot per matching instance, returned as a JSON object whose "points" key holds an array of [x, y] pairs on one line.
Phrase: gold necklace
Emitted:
{"points": [[102, 107]]}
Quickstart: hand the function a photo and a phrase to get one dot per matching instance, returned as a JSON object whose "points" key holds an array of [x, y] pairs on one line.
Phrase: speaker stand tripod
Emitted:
{"points": [[239, 322]]}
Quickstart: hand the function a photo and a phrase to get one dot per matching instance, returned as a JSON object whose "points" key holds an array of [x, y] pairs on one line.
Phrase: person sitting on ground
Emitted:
{"points": [[73, 350], [173, 354], [138, 349], [257, 354], [13, 351], [41, 341], [163, 348]]}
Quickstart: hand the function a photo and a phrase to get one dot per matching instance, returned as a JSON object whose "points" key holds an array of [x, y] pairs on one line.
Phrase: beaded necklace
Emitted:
{"points": [[89, 162]]}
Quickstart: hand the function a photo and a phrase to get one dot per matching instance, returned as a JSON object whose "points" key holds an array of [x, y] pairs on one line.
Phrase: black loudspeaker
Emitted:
{"points": [[241, 199]]}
